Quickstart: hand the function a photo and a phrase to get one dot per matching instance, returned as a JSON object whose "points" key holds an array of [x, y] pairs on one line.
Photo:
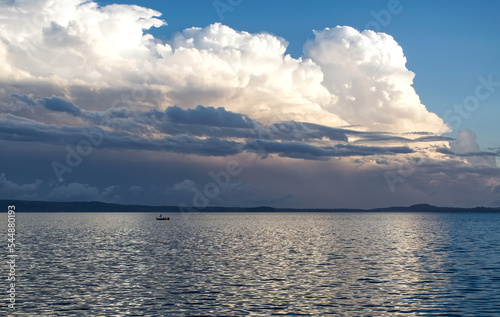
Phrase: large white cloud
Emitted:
{"points": [[367, 72], [248, 74], [72, 42], [81, 51]]}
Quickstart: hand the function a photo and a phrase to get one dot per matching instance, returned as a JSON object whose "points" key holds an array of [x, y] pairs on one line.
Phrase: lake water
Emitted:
{"points": [[258, 264]]}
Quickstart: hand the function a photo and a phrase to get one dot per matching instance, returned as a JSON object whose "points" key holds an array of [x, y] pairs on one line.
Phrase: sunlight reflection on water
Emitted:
{"points": [[347, 264]]}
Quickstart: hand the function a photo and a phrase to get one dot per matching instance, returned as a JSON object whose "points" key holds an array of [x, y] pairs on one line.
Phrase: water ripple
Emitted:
{"points": [[262, 264]]}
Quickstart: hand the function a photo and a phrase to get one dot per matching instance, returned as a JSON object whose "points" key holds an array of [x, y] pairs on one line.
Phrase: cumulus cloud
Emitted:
{"points": [[110, 194], [89, 53], [74, 192], [467, 147], [135, 190], [10, 189], [186, 184], [366, 71], [41, 38]]}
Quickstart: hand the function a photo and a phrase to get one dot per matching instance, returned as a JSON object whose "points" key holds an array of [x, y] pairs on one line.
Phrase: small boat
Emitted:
{"points": [[162, 218]]}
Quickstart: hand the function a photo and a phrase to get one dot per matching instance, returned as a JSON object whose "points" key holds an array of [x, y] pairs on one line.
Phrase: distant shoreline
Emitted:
{"points": [[94, 206]]}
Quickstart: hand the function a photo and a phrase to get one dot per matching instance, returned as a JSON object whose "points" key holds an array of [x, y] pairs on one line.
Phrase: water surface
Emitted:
{"points": [[258, 264]]}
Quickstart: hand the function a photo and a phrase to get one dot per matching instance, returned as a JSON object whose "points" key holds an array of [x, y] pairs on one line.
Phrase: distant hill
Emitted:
{"points": [[95, 206]]}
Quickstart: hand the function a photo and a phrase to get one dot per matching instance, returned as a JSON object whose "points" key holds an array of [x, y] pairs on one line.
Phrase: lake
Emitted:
{"points": [[257, 264]]}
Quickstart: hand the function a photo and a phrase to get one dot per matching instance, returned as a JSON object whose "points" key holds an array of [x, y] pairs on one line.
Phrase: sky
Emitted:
{"points": [[329, 104]]}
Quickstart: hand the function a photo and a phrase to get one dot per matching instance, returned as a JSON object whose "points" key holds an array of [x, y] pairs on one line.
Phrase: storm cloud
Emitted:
{"points": [[202, 131], [319, 130]]}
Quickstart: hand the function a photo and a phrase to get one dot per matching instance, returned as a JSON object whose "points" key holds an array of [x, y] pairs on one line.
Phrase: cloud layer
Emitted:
{"points": [[321, 130], [202, 130], [100, 57]]}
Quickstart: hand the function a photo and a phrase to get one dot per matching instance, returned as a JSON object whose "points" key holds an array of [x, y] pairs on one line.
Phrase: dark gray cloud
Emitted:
{"points": [[216, 122], [53, 103], [372, 136], [448, 151], [494, 149], [206, 131], [311, 183], [15, 128], [60, 105], [26, 99], [388, 137], [307, 151], [201, 121], [210, 116], [302, 131], [433, 138]]}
